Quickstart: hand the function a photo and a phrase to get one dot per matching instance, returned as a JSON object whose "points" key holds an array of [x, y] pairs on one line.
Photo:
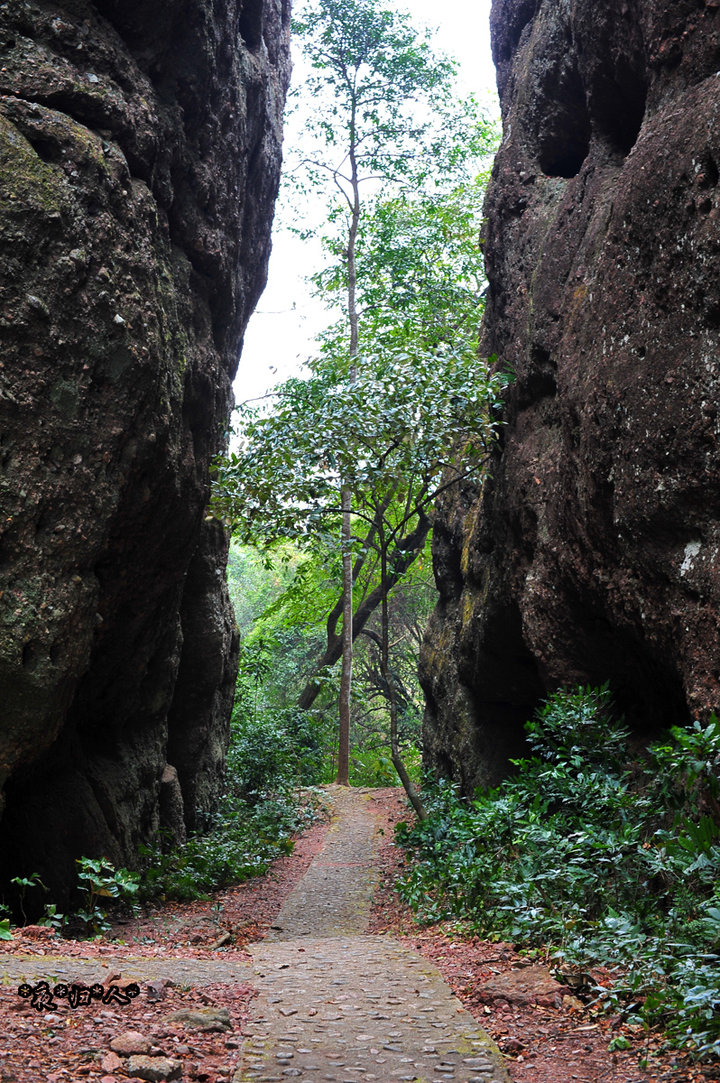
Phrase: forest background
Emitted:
{"points": [[388, 188]]}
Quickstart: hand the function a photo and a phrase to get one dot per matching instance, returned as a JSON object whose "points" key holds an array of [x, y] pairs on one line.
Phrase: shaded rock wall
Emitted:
{"points": [[139, 161], [594, 554]]}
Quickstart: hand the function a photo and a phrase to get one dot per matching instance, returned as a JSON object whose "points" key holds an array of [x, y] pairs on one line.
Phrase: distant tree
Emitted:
{"points": [[397, 406]]}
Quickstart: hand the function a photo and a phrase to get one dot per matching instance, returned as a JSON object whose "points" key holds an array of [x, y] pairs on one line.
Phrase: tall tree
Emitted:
{"points": [[398, 434], [380, 115]]}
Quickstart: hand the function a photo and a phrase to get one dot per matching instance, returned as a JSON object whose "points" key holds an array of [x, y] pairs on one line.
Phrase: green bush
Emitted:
{"points": [[260, 811], [101, 885], [602, 859], [272, 747], [373, 767], [279, 749], [241, 841]]}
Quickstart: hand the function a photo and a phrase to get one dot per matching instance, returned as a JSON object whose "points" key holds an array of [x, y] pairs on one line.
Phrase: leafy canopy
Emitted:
{"points": [[419, 272], [375, 90], [396, 425], [413, 412]]}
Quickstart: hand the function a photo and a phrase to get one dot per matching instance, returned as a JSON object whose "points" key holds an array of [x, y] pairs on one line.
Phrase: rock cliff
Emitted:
{"points": [[139, 162], [594, 553]]}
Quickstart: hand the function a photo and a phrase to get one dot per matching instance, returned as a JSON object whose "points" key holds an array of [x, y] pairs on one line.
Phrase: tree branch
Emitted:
{"points": [[412, 546]]}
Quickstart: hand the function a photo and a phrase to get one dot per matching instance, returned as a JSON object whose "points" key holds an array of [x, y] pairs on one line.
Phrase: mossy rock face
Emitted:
{"points": [[27, 184], [139, 162], [593, 553]]}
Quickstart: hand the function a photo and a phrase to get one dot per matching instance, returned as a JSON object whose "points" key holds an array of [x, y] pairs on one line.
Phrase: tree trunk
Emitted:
{"points": [[344, 705], [413, 795], [408, 551], [347, 647]]}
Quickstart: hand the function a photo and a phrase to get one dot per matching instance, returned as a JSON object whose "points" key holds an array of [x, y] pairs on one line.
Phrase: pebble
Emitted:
{"points": [[129, 1042], [206, 1019], [111, 1062], [155, 1069]]}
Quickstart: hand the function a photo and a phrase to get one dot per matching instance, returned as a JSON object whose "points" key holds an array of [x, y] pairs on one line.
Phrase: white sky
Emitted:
{"points": [[286, 320]]}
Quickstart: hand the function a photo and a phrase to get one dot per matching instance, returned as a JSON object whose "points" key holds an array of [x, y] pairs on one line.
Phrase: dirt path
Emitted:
{"points": [[338, 1005]]}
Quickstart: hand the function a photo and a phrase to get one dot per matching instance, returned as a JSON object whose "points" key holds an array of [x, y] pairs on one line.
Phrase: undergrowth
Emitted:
{"points": [[242, 841], [258, 815], [597, 854], [373, 767], [260, 812]]}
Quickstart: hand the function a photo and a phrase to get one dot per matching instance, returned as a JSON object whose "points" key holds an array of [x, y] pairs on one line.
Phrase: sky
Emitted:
{"points": [[282, 328]]}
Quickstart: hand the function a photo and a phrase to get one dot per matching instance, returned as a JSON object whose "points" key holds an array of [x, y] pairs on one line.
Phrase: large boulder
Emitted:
{"points": [[594, 552], [139, 163]]}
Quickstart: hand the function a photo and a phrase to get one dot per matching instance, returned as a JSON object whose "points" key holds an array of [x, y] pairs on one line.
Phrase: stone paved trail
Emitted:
{"points": [[340, 1006], [70, 968], [334, 1004], [334, 896]]}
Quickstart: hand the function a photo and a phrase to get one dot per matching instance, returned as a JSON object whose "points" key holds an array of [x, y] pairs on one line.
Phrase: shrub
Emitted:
{"points": [[598, 858], [373, 767], [241, 842], [281, 749], [257, 816], [102, 885]]}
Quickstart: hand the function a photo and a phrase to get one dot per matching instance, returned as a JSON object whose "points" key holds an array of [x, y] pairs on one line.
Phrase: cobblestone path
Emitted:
{"points": [[334, 896], [334, 1004], [68, 968], [339, 1006]]}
